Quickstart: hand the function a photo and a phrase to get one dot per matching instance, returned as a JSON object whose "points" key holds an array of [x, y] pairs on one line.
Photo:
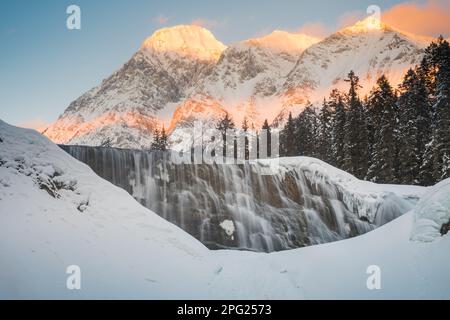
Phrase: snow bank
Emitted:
{"points": [[55, 212], [432, 212]]}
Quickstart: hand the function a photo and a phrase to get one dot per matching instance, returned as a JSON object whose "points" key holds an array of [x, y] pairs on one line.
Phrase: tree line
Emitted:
{"points": [[392, 135]]}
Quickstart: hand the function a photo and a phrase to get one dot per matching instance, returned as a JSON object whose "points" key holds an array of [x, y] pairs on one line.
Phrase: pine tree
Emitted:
{"points": [[287, 137], [160, 140], [325, 139], [266, 127], [356, 140], [338, 142], [427, 75], [306, 132], [246, 140], [414, 125], [225, 124], [439, 53], [156, 140], [382, 104], [163, 140], [106, 143]]}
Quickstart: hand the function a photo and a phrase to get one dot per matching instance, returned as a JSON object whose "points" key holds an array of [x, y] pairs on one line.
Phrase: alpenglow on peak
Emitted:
{"points": [[371, 23], [283, 41], [185, 40]]}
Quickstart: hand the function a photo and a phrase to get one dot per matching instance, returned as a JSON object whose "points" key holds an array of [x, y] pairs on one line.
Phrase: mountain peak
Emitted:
{"points": [[283, 41], [369, 24], [185, 40]]}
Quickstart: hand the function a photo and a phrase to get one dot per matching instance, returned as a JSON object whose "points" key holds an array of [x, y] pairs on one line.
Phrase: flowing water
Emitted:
{"points": [[237, 206]]}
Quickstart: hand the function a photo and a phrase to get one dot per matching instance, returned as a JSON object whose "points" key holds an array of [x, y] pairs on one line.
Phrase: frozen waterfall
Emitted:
{"points": [[236, 206]]}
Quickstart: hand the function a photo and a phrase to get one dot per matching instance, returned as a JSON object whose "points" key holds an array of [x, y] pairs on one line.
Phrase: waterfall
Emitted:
{"points": [[236, 206]]}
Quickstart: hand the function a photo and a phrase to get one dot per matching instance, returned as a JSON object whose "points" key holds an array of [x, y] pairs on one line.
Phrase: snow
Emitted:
{"points": [[432, 212], [283, 41], [228, 227], [126, 251], [186, 40]]}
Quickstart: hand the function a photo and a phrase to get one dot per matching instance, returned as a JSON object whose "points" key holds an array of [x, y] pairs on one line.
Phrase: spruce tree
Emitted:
{"points": [[338, 142], [156, 140], [306, 132], [356, 140], [414, 125], [427, 75], [325, 139], [246, 140], [287, 137], [163, 140], [382, 104], [266, 127], [223, 125], [440, 145]]}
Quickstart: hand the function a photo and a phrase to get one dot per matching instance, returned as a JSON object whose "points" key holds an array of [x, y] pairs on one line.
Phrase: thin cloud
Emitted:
{"points": [[208, 23], [161, 20], [315, 29], [350, 18], [431, 18]]}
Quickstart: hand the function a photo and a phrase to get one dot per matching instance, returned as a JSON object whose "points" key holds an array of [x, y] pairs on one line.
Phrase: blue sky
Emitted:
{"points": [[44, 66]]}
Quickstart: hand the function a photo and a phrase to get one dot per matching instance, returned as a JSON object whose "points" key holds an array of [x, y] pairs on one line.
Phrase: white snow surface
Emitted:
{"points": [[432, 212], [126, 251]]}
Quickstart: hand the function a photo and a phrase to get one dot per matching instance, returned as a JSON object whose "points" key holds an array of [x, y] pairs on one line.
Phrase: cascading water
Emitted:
{"points": [[236, 206]]}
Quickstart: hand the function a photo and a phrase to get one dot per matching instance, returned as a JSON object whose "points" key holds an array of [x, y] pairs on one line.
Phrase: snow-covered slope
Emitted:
{"points": [[369, 48], [432, 213], [55, 212]]}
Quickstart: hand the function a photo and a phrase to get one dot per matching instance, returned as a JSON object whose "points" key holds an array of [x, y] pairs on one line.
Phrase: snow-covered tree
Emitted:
{"points": [[223, 125], [338, 142], [160, 140], [356, 141], [325, 132], [306, 132], [414, 124], [382, 106], [266, 127], [440, 145], [287, 138]]}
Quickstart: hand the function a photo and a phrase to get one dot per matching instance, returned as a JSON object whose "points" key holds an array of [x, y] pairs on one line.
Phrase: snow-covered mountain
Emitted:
{"points": [[55, 212], [183, 74], [369, 48], [244, 83], [126, 108]]}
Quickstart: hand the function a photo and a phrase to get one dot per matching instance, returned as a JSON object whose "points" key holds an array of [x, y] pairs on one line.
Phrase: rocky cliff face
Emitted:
{"points": [[305, 201]]}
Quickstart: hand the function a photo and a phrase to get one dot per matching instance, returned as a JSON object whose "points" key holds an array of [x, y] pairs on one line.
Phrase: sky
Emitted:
{"points": [[44, 66]]}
